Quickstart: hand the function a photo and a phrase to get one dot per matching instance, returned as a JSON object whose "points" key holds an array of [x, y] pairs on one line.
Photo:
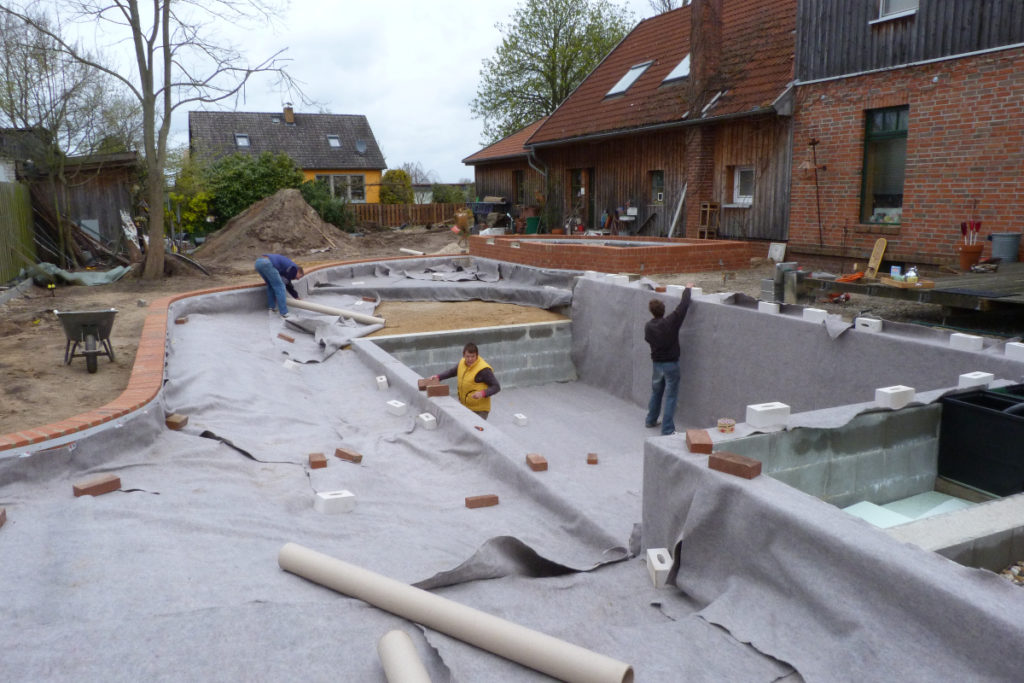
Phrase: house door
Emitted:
{"points": [[581, 195]]}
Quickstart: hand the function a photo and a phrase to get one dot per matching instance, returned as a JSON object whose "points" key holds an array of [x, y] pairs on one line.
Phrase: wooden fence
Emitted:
{"points": [[393, 215], [16, 244]]}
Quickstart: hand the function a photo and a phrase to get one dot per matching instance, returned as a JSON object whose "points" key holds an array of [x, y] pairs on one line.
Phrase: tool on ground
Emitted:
{"points": [[91, 329]]}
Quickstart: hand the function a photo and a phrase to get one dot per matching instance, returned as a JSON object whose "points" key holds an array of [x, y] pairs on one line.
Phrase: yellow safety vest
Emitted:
{"points": [[468, 385]]}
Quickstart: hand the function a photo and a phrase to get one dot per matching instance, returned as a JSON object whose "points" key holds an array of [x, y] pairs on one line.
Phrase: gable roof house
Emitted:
{"points": [[696, 98], [503, 169], [338, 149]]}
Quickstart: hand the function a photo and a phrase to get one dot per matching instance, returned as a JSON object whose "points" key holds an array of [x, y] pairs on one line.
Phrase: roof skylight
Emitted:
{"points": [[682, 70], [628, 79]]}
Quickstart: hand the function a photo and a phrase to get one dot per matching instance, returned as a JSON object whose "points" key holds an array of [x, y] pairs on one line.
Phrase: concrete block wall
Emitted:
{"points": [[521, 355], [878, 457]]}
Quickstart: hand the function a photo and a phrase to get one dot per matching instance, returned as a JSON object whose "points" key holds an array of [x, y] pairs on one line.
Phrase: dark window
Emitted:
{"points": [[519, 189], [885, 160], [657, 187]]}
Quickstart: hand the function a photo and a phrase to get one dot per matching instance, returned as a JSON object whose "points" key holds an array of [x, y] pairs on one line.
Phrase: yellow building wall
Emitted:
{"points": [[373, 178]]}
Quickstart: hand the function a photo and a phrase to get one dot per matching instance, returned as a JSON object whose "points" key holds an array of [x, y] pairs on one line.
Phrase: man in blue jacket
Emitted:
{"points": [[662, 333], [278, 272]]}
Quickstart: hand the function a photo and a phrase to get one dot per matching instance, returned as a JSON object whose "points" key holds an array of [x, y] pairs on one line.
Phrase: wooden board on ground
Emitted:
{"points": [[920, 284], [876, 258]]}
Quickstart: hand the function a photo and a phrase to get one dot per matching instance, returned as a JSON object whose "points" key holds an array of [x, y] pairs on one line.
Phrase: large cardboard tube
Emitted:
{"points": [[536, 650], [320, 308], [399, 658]]}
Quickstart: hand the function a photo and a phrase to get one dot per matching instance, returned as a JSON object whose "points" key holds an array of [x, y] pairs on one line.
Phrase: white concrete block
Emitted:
{"points": [[289, 364], [396, 407], [965, 342], [767, 307], [427, 421], [382, 382], [773, 414], [334, 502], [520, 419], [659, 563], [975, 379], [815, 315], [618, 279], [592, 274], [1014, 350], [867, 324], [696, 291], [360, 282], [675, 290], [894, 397]]}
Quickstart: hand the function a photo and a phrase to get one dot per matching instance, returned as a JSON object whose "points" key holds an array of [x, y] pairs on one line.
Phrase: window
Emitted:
{"points": [[657, 187], [623, 85], [334, 141], [275, 118], [682, 70], [241, 140], [885, 160], [894, 8], [519, 187], [351, 188], [743, 185]]}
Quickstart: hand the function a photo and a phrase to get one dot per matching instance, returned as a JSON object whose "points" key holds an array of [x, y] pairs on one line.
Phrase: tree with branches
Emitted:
{"points": [[177, 62], [549, 48]]}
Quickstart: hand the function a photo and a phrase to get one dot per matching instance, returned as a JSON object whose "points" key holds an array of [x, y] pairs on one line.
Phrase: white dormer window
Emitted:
{"points": [[334, 141], [890, 9], [634, 73], [241, 140], [682, 70]]}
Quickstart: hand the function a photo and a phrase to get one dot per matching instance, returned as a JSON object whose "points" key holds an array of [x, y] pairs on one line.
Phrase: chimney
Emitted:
{"points": [[289, 114], [706, 50]]}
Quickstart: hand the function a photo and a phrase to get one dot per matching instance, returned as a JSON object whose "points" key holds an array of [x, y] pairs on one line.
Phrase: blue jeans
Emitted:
{"points": [[664, 380], [275, 285]]}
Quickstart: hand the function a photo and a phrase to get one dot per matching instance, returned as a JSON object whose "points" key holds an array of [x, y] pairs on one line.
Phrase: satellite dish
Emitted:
{"points": [[361, 146]]}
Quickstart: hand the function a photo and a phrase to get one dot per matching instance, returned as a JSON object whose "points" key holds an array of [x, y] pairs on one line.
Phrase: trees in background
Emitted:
{"points": [[238, 181], [549, 48], [396, 187], [448, 194]]}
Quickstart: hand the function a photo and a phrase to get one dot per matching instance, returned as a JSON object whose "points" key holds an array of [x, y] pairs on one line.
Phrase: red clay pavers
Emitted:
{"points": [[317, 460], [176, 421], [282, 335], [698, 441], [346, 454], [591, 458], [481, 501], [737, 465], [97, 486], [437, 390], [537, 462]]}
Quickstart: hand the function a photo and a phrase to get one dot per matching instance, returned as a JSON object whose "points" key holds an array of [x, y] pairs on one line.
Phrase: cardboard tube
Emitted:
{"points": [[536, 650], [399, 658], [320, 308]]}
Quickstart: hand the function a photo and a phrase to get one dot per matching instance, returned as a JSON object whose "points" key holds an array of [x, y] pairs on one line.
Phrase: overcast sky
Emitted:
{"points": [[412, 67]]}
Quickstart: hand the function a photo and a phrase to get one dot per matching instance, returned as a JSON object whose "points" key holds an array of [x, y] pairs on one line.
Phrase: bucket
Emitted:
{"points": [[969, 254], [532, 223], [1005, 245]]}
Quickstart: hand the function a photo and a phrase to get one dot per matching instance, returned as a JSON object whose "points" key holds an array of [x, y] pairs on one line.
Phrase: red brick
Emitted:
{"points": [[481, 501], [437, 390], [97, 486], [282, 335], [181, 321], [698, 441], [346, 454], [737, 465], [371, 299], [537, 462], [423, 382], [176, 421], [661, 288], [591, 458], [317, 460]]}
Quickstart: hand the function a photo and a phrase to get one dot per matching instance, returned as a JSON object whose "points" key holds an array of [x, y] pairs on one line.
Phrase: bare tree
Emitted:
{"points": [[418, 174], [175, 64]]}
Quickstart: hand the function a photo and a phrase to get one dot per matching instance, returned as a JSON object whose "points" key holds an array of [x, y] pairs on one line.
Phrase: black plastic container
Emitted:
{"points": [[981, 444]]}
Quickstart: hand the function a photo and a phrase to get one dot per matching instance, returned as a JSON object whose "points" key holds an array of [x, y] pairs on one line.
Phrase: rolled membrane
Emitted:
{"points": [[547, 654], [399, 658], [330, 310]]}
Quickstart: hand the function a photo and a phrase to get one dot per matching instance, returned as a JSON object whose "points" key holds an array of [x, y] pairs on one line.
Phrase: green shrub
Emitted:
{"points": [[334, 211], [396, 187], [448, 194], [238, 181]]}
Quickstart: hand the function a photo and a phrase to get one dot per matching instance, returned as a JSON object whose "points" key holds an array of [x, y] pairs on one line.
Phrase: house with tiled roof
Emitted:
{"points": [[338, 149], [503, 169], [692, 107]]}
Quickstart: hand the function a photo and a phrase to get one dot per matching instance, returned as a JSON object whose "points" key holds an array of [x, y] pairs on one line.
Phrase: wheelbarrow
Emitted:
{"points": [[91, 329]]}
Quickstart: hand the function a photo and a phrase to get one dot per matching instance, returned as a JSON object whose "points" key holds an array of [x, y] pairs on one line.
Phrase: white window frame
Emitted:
{"points": [[242, 140], [738, 198], [681, 71], [340, 185], [629, 78], [334, 141], [885, 12]]}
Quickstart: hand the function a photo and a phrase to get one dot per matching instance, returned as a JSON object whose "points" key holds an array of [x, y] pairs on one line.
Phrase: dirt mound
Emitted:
{"points": [[280, 224]]}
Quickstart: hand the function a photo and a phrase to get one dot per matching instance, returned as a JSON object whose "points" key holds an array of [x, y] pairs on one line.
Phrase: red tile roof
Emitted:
{"points": [[755, 68], [506, 148]]}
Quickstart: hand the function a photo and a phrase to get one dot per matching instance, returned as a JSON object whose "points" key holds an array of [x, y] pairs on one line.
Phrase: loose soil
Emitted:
{"points": [[38, 389]]}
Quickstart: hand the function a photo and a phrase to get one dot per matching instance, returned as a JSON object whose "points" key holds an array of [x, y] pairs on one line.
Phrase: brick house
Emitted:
{"points": [[338, 149], [917, 110]]}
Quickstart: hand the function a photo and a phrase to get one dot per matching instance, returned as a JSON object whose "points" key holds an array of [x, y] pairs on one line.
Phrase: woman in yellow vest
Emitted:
{"points": [[476, 382]]}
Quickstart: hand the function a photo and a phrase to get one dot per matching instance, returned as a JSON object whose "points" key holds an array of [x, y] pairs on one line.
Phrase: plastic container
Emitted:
{"points": [[1005, 245], [980, 437], [532, 223]]}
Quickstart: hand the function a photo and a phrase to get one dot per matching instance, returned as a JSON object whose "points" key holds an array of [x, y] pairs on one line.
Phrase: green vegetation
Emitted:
{"points": [[334, 211], [396, 188], [447, 194]]}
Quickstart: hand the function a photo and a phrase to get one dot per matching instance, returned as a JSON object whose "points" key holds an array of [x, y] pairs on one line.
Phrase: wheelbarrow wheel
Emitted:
{"points": [[90, 353]]}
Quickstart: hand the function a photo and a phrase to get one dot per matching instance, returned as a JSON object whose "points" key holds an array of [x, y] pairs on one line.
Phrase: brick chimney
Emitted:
{"points": [[706, 50], [289, 113]]}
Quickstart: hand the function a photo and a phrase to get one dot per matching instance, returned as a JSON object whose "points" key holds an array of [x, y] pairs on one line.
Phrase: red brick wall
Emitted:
{"points": [[588, 253], [965, 142]]}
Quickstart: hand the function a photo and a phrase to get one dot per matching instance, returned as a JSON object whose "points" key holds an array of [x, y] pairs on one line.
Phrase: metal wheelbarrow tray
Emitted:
{"points": [[91, 329]]}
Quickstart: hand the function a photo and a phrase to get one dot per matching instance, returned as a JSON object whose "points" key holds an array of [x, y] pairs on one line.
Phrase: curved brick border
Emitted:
{"points": [[147, 372]]}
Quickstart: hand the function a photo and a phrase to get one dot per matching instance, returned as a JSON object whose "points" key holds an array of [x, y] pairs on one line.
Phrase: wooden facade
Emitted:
{"points": [[839, 37], [513, 179]]}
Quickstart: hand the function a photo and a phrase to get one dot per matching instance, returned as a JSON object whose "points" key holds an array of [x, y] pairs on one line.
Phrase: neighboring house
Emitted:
{"points": [[503, 170], [338, 149], [917, 108], [696, 98]]}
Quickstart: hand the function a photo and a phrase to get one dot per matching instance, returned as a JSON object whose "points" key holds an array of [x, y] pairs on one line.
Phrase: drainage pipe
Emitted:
{"points": [[399, 658], [539, 651], [320, 308]]}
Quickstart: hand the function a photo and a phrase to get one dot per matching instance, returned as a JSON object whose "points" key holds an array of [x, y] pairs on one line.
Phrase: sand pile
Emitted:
{"points": [[280, 224]]}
